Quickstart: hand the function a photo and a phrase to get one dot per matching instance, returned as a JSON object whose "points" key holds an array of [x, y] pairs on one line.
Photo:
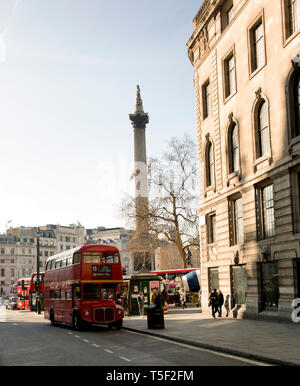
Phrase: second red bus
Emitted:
{"points": [[23, 293], [33, 292]]}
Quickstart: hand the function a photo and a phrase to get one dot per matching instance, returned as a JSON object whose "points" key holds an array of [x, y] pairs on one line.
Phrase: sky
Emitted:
{"points": [[68, 76]]}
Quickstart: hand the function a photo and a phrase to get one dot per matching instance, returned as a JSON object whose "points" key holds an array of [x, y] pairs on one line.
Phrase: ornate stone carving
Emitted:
{"points": [[258, 93], [265, 253]]}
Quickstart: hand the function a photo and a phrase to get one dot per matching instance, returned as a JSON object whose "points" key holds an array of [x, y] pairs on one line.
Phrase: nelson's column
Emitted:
{"points": [[140, 248]]}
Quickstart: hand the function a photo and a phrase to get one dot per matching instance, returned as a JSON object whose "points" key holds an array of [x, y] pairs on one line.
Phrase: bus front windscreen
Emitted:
{"points": [[96, 292], [91, 291]]}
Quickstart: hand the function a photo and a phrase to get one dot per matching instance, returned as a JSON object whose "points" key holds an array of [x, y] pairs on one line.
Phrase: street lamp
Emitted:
{"points": [[37, 284]]}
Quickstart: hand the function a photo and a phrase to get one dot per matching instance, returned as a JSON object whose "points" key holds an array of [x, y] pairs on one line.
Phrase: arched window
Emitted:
{"points": [[263, 130], [210, 171], [296, 104], [233, 144], [293, 101]]}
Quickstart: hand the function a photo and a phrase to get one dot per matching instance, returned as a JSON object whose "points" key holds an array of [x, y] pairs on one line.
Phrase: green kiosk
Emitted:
{"points": [[144, 281]]}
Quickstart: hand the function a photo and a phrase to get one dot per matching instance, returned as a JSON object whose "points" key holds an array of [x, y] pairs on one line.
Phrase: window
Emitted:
{"points": [[110, 258], [238, 284], [76, 258], [2, 251], [206, 100], [236, 221], [229, 73], [213, 279], [91, 291], [295, 178], [292, 16], [262, 130], [12, 251], [294, 102], [269, 286], [12, 272], [234, 156], [229, 15], [265, 212], [210, 164], [107, 292], [211, 228], [2, 272], [91, 257], [257, 46], [76, 291], [297, 277], [226, 14], [297, 102]]}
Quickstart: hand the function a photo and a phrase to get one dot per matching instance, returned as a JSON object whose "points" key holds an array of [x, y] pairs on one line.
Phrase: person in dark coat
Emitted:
{"points": [[159, 300], [214, 302], [221, 302]]}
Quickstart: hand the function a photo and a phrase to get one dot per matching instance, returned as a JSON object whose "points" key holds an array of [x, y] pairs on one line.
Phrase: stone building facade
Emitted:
{"points": [[18, 249], [246, 58], [17, 260]]}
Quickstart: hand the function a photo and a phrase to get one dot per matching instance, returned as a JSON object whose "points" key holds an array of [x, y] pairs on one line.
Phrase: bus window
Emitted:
{"points": [[91, 291], [110, 258], [69, 261], [76, 291], [76, 258], [107, 292], [58, 264], [63, 263], [88, 258]]}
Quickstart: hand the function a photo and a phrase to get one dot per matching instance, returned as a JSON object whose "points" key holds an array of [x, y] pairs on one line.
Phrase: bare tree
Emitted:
{"points": [[170, 213]]}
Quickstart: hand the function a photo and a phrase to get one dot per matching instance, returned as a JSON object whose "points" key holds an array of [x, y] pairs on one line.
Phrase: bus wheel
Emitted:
{"points": [[52, 319], [118, 324], [77, 322]]}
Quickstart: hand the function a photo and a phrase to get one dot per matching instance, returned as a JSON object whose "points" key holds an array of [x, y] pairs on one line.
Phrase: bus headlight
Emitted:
{"points": [[120, 312], [86, 313]]}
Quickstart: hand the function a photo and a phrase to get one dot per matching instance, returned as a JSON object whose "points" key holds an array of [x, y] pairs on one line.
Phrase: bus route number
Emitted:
{"points": [[101, 270]]}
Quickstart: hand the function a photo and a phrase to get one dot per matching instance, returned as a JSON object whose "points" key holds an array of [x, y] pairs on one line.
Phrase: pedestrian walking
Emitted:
{"points": [[153, 295], [221, 302], [182, 295], [214, 302], [226, 305], [141, 303]]}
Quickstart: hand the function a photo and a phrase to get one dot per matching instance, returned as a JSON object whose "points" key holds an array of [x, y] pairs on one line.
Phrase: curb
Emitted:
{"points": [[267, 360]]}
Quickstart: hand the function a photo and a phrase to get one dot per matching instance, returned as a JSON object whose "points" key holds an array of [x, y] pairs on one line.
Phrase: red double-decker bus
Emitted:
{"points": [[13, 290], [23, 293], [32, 291], [81, 287]]}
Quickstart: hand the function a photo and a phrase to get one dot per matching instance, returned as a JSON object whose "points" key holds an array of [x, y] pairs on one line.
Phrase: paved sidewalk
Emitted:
{"points": [[278, 342]]}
